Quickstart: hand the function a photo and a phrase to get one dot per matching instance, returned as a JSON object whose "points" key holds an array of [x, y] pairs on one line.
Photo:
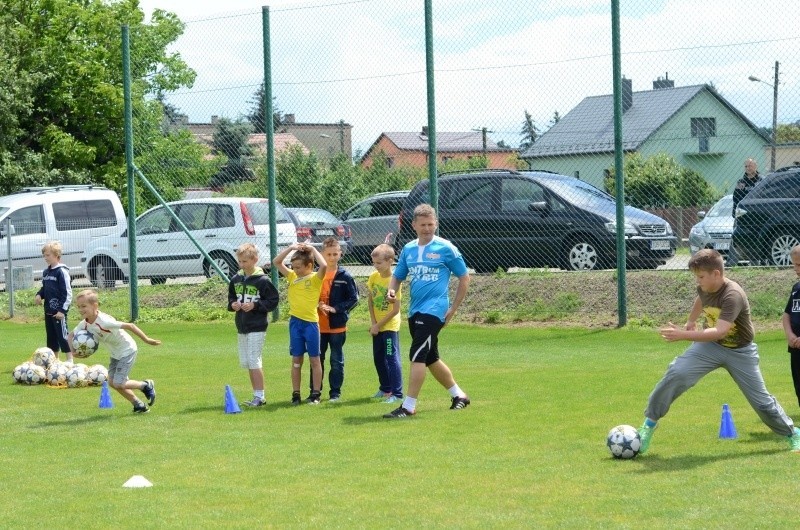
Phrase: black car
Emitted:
{"points": [[504, 218], [768, 219]]}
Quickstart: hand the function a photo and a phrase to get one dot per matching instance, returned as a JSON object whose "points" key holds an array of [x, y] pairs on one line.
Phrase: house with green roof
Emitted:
{"points": [[693, 124]]}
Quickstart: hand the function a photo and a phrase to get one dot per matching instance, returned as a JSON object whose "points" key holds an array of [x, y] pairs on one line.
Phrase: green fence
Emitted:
{"points": [[360, 92]]}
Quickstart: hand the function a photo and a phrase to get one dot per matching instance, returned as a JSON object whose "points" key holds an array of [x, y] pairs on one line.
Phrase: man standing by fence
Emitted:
{"points": [[743, 187]]}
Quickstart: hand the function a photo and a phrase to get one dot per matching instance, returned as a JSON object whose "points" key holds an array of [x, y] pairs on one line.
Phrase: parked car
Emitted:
{"points": [[505, 218], [71, 214], [373, 221], [715, 228], [317, 225], [164, 250], [768, 219]]}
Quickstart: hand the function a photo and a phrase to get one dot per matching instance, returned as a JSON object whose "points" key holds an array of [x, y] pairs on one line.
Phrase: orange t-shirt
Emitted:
{"points": [[324, 297]]}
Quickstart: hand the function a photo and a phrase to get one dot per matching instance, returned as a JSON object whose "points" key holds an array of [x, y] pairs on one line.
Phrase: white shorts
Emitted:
{"points": [[250, 347]]}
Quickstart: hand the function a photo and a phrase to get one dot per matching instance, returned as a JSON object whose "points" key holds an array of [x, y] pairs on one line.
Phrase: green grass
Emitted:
{"points": [[528, 453]]}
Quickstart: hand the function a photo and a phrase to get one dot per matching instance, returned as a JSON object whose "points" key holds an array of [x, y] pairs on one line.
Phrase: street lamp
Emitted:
{"points": [[774, 86]]}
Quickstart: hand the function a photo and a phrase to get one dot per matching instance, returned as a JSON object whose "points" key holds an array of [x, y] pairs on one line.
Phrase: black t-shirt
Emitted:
{"points": [[793, 310]]}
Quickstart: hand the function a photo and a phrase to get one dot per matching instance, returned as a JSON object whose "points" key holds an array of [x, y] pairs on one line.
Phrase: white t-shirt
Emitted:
{"points": [[108, 330]]}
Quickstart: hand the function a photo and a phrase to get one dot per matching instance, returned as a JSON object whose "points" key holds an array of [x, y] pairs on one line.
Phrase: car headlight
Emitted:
{"points": [[669, 229], [697, 230], [630, 230]]}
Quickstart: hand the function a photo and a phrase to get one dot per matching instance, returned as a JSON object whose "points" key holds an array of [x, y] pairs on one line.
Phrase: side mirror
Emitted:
{"points": [[701, 214]]}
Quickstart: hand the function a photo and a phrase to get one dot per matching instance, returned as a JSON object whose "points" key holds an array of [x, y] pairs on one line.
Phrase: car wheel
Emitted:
{"points": [[582, 255], [780, 249], [226, 263], [158, 280], [104, 273]]}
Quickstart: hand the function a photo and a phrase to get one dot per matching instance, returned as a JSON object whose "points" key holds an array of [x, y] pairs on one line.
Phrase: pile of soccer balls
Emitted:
{"points": [[44, 367]]}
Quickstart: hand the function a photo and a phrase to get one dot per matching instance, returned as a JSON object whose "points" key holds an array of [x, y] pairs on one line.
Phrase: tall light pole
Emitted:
{"points": [[774, 86]]}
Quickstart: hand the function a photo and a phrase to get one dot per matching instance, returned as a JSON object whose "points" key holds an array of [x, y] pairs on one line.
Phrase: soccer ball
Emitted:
{"points": [[29, 373], [84, 344], [97, 374], [76, 377], [57, 373], [44, 357], [624, 442]]}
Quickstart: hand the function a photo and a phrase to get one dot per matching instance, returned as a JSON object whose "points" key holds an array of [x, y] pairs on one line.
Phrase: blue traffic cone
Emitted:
{"points": [[727, 430], [105, 397], [231, 406]]}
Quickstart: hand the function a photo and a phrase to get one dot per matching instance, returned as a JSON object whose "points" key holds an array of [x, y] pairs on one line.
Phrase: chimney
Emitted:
{"points": [[424, 130], [627, 94], [659, 83], [288, 119], [214, 119]]}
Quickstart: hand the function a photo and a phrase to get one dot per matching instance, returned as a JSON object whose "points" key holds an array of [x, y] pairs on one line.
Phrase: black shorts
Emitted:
{"points": [[424, 338]]}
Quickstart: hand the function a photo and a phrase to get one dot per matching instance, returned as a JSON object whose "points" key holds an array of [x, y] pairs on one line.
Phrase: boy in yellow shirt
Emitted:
{"points": [[303, 294], [385, 318]]}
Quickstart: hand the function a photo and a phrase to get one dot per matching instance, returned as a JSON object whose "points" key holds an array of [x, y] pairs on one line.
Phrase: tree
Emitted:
{"points": [[659, 182], [259, 109], [530, 132], [788, 132], [231, 140], [61, 72]]}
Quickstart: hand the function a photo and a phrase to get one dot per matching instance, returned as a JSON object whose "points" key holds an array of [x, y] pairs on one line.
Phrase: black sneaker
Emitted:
{"points": [[296, 398], [149, 391], [313, 399], [459, 403], [399, 412], [140, 408]]}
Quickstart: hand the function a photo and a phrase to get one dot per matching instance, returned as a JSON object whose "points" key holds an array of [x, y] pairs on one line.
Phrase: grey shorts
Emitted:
{"points": [[118, 369]]}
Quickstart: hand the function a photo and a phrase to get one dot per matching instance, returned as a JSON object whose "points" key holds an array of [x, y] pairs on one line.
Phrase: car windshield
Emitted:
{"points": [[309, 216], [578, 192], [3, 210], [723, 207]]}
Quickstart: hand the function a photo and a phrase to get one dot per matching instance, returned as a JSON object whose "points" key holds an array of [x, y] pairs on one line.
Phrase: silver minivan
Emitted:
{"points": [[163, 250], [72, 214]]}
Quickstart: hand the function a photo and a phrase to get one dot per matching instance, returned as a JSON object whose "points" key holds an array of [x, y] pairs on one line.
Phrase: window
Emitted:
{"points": [[28, 220], [517, 195], [155, 222], [383, 207], [472, 195], [360, 211], [703, 127], [193, 215], [79, 215]]}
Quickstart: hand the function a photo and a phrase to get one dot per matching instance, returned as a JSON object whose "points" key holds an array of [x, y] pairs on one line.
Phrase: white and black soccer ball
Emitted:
{"points": [[84, 344], [97, 374], [29, 373], [76, 377], [624, 442], [57, 373], [44, 357], [20, 373]]}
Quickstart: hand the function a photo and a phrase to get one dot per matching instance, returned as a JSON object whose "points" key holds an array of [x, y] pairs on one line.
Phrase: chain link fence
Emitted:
{"points": [[522, 127]]}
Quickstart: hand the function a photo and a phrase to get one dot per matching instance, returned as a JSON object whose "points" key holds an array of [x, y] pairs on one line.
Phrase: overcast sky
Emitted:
{"points": [[363, 61]]}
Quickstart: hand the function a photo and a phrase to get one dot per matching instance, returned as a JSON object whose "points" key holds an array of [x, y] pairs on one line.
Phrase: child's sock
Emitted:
{"points": [[455, 391], [410, 404], [649, 423], [259, 394]]}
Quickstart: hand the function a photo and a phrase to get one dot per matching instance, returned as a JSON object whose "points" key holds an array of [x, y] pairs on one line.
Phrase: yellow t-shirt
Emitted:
{"points": [[378, 286], [303, 294]]}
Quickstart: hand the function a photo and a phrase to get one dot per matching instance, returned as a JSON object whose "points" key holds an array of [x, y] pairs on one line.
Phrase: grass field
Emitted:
{"points": [[528, 453]]}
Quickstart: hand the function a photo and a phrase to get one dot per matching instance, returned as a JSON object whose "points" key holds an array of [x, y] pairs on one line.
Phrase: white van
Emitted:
{"points": [[71, 214]]}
